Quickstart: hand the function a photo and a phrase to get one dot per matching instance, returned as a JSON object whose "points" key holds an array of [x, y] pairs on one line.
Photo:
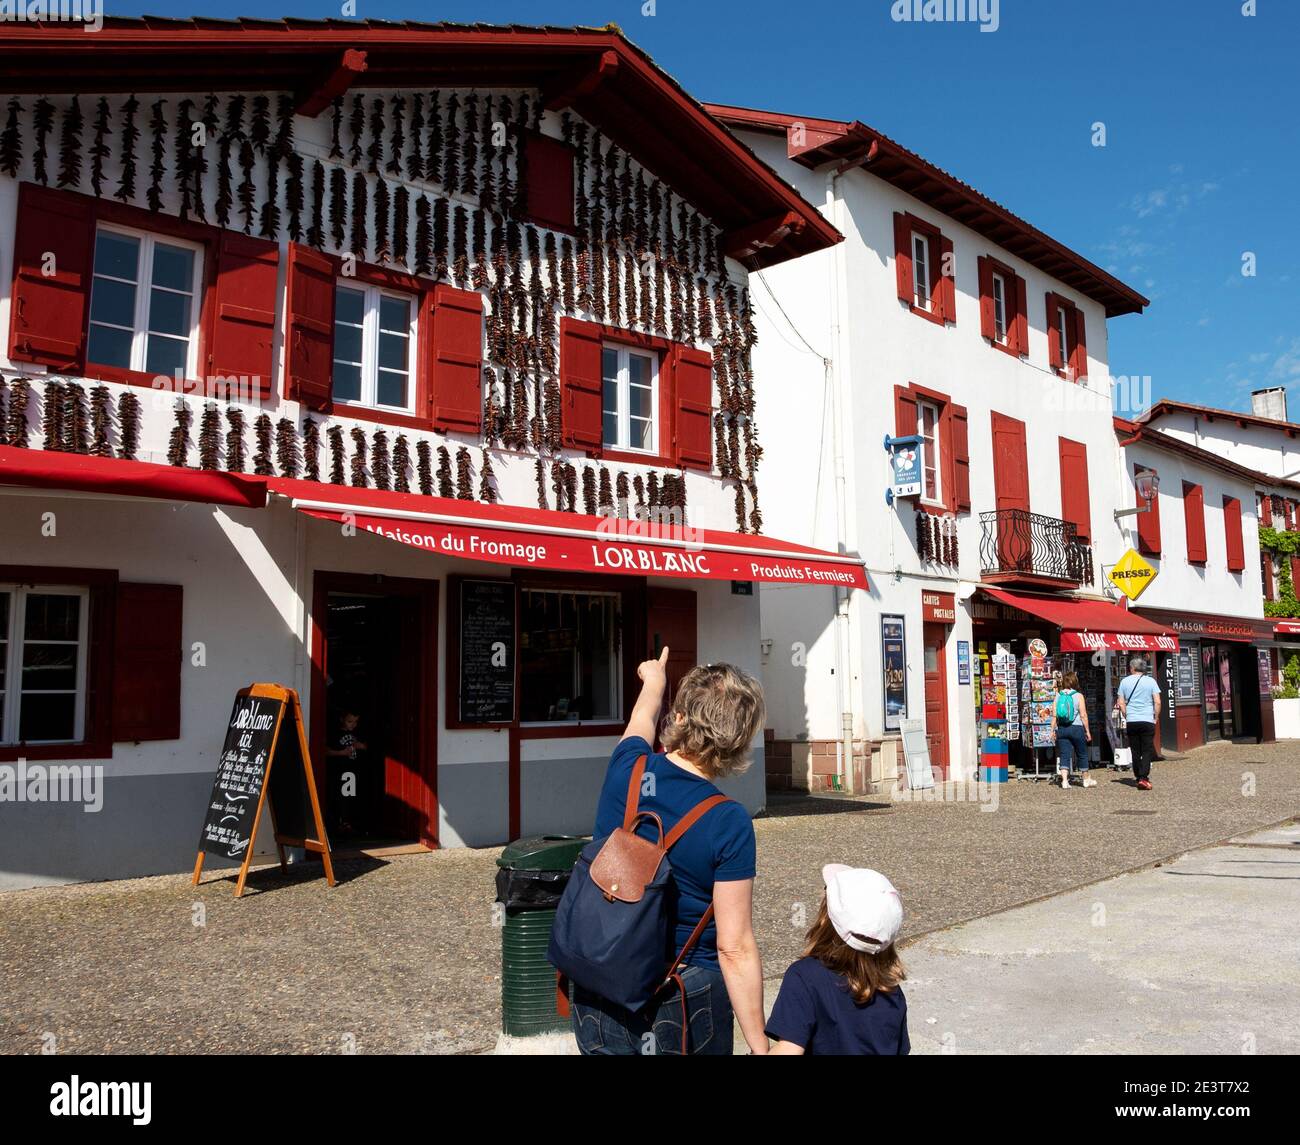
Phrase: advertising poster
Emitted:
{"points": [[963, 661], [893, 659]]}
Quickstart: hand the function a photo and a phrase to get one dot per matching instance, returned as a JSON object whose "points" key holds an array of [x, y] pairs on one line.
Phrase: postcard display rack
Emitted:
{"points": [[999, 714], [1038, 699]]}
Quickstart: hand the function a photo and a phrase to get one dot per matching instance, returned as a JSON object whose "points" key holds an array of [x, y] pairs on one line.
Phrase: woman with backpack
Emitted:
{"points": [[656, 926], [1073, 735]]}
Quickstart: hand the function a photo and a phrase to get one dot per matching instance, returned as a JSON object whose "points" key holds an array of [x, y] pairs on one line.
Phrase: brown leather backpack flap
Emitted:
{"points": [[626, 865]]}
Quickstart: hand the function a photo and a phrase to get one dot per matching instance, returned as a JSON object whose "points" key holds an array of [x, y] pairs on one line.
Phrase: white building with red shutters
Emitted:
{"points": [[946, 318], [408, 366]]}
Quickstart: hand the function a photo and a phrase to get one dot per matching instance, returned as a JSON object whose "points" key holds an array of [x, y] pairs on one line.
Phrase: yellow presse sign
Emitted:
{"points": [[1131, 574]]}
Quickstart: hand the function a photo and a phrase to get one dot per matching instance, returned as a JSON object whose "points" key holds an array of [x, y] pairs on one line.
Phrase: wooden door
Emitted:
{"points": [[934, 638], [671, 621], [1011, 492]]}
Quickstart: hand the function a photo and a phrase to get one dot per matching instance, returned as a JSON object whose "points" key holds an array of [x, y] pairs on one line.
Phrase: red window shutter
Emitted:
{"points": [[550, 165], [147, 662], [959, 445], [1288, 518], [309, 339], [1053, 350], [1295, 571], [1021, 325], [580, 383], [947, 281], [1076, 507], [903, 256], [55, 229], [1266, 512], [1266, 573], [1080, 345], [241, 335], [693, 405], [904, 412], [1148, 522], [988, 321], [1232, 534], [1194, 515], [456, 362]]}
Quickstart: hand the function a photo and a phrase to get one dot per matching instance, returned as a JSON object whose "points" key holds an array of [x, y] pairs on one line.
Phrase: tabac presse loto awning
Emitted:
{"points": [[1093, 625]]}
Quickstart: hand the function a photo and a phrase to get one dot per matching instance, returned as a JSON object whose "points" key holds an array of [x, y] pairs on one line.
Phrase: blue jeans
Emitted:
{"points": [[1072, 742], [603, 1028]]}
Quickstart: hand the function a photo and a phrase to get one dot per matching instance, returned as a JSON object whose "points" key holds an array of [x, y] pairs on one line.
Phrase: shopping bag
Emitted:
{"points": [[1123, 757]]}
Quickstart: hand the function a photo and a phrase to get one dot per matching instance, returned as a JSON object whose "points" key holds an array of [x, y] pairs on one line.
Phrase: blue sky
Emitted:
{"points": [[1199, 102]]}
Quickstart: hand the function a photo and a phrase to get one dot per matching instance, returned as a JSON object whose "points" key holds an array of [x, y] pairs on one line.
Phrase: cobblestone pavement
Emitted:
{"points": [[402, 956]]}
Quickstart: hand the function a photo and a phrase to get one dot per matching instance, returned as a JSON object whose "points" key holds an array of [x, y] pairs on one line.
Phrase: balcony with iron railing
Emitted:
{"points": [[1017, 545]]}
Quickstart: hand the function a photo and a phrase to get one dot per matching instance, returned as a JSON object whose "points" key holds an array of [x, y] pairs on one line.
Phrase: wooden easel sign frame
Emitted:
{"points": [[253, 744]]}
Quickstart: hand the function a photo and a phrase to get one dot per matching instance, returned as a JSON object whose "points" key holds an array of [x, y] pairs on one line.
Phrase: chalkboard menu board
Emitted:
{"points": [[237, 788], [487, 652], [1188, 680]]}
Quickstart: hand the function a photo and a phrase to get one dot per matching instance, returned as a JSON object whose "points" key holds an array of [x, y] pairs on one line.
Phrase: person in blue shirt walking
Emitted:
{"points": [[843, 995], [1139, 702]]}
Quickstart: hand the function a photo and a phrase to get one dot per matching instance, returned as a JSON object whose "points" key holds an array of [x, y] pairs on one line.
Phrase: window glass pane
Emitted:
{"points": [[113, 302], [393, 352], [609, 364], [110, 347], [391, 389], [166, 355], [52, 616], [347, 382], [394, 314], [117, 255], [169, 313], [642, 433], [347, 344], [173, 267], [609, 396], [47, 718], [609, 431], [349, 306], [568, 660], [638, 369], [49, 667], [639, 399]]}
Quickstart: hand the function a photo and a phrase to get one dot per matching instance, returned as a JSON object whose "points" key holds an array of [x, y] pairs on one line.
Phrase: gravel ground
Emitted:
{"points": [[402, 956]]}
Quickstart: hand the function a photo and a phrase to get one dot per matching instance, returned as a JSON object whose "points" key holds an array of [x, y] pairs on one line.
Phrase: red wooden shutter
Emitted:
{"points": [[550, 166], [693, 406], [903, 256], [456, 361], [905, 421], [1295, 571], [309, 337], [1010, 463], [1266, 512], [1288, 519], [1080, 345], [1076, 506], [947, 281], [1053, 348], [670, 619], [960, 449], [1148, 522], [147, 662], [1021, 325], [241, 333], [1266, 573], [1232, 534], [988, 320], [580, 383], [49, 313], [1194, 516]]}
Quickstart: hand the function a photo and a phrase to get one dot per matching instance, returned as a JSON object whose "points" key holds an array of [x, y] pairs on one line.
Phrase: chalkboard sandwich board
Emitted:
{"points": [[487, 652], [265, 729]]}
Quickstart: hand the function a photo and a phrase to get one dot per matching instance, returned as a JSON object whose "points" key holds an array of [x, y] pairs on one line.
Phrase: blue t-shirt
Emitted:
{"points": [[815, 1010], [719, 848], [1139, 694]]}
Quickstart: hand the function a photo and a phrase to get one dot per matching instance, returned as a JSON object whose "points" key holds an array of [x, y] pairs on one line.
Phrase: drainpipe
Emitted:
{"points": [[836, 380]]}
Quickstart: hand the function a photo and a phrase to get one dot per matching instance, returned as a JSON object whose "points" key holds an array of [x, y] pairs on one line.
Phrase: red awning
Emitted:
{"points": [[542, 538], [1092, 625], [1286, 627], [41, 469]]}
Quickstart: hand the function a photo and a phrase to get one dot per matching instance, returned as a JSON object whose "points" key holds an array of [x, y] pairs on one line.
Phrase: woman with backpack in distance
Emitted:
{"points": [[1073, 735], [715, 716]]}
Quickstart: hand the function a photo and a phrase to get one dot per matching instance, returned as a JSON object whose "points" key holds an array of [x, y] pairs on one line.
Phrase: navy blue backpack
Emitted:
{"points": [[613, 928]]}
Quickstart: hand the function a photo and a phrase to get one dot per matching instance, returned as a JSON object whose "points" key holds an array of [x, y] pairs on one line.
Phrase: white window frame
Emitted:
{"points": [[624, 399], [921, 294], [999, 309], [921, 406], [1063, 335], [616, 650], [11, 717], [370, 346], [144, 293]]}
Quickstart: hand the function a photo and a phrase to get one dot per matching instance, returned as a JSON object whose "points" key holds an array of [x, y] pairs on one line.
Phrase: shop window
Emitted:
{"points": [[629, 398], [374, 348], [144, 302], [927, 429], [43, 641], [570, 657]]}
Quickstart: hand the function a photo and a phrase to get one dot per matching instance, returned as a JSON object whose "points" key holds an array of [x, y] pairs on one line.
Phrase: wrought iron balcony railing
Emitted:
{"points": [[1015, 541]]}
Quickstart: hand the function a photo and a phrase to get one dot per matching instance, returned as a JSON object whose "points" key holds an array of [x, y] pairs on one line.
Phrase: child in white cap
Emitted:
{"points": [[842, 996]]}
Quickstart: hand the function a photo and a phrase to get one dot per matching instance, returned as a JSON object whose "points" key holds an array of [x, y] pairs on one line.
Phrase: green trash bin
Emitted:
{"points": [[530, 882]]}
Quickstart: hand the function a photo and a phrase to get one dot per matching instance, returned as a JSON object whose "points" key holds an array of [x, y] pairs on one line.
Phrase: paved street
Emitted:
{"points": [[403, 955]]}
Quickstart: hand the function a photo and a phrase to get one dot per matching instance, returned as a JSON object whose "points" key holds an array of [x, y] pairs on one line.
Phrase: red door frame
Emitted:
{"points": [[426, 593], [939, 634]]}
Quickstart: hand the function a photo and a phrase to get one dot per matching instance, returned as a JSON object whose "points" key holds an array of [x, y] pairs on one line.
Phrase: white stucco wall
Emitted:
{"points": [[1266, 449]]}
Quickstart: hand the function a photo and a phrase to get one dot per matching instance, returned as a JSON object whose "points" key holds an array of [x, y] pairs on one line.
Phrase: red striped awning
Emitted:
{"points": [[573, 542], [1092, 625]]}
